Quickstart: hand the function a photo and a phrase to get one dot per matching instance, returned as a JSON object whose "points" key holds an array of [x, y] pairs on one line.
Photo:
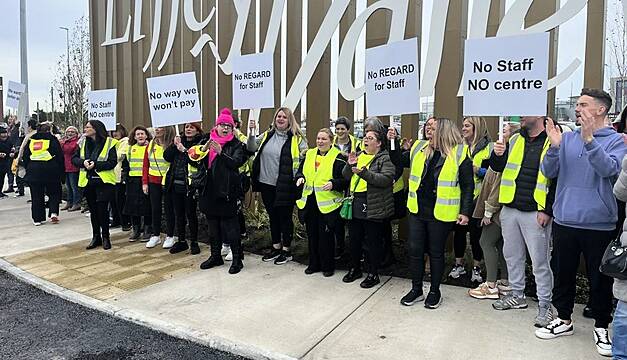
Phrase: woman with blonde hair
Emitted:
{"points": [[155, 171], [476, 137], [440, 196], [273, 175]]}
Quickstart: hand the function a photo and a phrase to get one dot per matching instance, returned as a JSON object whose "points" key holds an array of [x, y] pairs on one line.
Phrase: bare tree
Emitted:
{"points": [[73, 88]]}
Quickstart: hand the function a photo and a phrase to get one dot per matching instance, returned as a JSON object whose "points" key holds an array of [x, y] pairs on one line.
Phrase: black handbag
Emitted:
{"points": [[614, 261], [198, 180]]}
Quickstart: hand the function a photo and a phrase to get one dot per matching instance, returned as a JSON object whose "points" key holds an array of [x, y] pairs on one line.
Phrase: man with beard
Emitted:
{"points": [[527, 197]]}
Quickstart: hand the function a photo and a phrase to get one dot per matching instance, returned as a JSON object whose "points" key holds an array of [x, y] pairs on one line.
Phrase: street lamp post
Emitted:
{"points": [[67, 89]]}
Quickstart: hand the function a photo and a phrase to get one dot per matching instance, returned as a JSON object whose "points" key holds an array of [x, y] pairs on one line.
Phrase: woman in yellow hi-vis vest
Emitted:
{"points": [[440, 195], [371, 175], [137, 204], [118, 218], [153, 178], [476, 136], [324, 185], [278, 156], [44, 163], [346, 143], [97, 157]]}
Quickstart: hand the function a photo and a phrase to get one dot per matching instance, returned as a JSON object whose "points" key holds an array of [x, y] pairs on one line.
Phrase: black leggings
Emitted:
{"points": [[98, 210], [117, 206], [157, 197], [185, 212], [431, 234], [225, 229], [320, 236], [475, 235], [38, 191], [366, 237], [281, 222]]}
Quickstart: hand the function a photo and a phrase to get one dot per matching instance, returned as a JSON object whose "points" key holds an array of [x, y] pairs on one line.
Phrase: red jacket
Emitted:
{"points": [[69, 147], [146, 177]]}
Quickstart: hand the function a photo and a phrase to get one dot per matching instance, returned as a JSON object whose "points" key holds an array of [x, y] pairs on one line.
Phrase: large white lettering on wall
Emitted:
{"points": [[513, 23]]}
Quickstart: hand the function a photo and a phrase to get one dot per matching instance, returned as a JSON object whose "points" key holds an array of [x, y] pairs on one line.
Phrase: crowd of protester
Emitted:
{"points": [[552, 194]]}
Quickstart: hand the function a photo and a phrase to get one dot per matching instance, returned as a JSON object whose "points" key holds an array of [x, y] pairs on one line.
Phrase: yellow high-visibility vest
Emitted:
{"points": [[157, 164], [479, 157], [135, 158], [294, 149], [39, 150], [363, 160], [352, 139], [399, 185], [244, 169], [107, 176], [512, 168], [448, 193], [315, 179]]}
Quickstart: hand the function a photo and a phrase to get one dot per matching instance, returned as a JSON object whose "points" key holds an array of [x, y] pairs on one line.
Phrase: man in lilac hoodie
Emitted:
{"points": [[587, 162]]}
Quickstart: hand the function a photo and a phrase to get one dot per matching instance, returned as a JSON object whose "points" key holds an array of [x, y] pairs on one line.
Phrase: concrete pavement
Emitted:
{"points": [[270, 311]]}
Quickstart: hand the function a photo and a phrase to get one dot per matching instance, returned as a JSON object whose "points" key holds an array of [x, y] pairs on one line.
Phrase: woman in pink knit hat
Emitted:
{"points": [[221, 156]]}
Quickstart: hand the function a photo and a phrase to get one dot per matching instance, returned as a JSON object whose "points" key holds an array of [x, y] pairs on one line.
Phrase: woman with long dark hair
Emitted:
{"points": [[96, 158], [177, 184], [137, 204]]}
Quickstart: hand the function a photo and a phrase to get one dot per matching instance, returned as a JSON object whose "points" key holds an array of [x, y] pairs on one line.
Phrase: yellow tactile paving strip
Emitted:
{"points": [[105, 274]]}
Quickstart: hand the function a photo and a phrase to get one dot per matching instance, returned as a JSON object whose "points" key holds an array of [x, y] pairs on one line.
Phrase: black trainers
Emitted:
{"points": [[412, 297], [352, 275], [273, 254], [434, 299], [370, 281], [284, 257], [178, 247], [194, 248], [213, 261]]}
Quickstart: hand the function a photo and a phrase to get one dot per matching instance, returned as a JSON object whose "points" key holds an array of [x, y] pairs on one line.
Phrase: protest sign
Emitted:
{"points": [[506, 76], [173, 99], [14, 93], [392, 79], [102, 106], [253, 81]]}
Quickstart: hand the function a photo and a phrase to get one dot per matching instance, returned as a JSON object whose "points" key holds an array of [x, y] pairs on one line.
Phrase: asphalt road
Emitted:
{"points": [[36, 325]]}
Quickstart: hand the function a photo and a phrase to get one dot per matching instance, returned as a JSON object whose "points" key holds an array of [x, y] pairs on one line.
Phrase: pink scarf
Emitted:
{"points": [[220, 140]]}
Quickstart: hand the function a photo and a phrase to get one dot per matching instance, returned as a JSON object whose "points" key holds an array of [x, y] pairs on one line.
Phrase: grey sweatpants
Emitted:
{"points": [[520, 229]]}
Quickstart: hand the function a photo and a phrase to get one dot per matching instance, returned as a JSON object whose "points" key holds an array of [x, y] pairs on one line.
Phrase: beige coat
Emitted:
{"points": [[488, 201]]}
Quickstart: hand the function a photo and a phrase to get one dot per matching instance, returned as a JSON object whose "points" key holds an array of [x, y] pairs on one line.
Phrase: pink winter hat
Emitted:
{"points": [[225, 117]]}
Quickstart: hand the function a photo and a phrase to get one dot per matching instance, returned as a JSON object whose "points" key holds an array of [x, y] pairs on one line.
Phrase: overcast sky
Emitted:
{"points": [[46, 43]]}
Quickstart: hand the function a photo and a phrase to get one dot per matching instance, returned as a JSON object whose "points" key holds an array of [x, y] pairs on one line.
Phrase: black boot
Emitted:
{"points": [[147, 233], [195, 249], [96, 241], [236, 266], [178, 247], [213, 261], [106, 242], [370, 281], [352, 275], [135, 234]]}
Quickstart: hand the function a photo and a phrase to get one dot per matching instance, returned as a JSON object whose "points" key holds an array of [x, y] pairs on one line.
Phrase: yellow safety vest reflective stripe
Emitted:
{"points": [[479, 157], [512, 168], [448, 192], [107, 176], [39, 150], [294, 149], [363, 160], [352, 139], [135, 158], [157, 164], [315, 179]]}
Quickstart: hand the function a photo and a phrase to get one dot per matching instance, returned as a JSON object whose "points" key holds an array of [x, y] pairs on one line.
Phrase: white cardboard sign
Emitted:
{"points": [[253, 81], [392, 79], [14, 93], [506, 76], [102, 106], [173, 99]]}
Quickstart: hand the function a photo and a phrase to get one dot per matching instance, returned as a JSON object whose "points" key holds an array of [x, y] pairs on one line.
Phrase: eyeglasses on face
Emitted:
{"points": [[225, 126], [370, 138]]}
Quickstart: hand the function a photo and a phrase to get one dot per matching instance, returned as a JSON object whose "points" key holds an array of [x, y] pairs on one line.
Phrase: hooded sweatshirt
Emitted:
{"points": [[587, 172]]}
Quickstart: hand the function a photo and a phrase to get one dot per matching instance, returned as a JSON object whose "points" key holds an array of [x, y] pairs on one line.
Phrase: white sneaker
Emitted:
{"points": [[154, 241], [556, 328], [476, 275], [229, 256], [457, 271], [169, 241], [602, 341], [225, 250], [37, 223]]}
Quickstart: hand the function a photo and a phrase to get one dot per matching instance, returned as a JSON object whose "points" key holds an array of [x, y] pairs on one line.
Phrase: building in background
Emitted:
{"points": [[618, 90]]}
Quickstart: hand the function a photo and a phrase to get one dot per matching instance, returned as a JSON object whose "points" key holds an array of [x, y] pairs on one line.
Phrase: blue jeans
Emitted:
{"points": [[73, 192], [619, 341]]}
